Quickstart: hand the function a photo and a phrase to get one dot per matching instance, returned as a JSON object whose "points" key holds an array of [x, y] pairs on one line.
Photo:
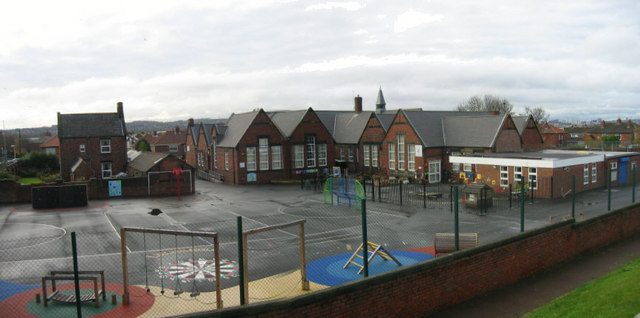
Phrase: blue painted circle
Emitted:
{"points": [[329, 270]]}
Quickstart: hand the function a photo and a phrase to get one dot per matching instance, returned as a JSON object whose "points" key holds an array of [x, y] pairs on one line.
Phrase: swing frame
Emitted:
{"points": [[125, 267]]}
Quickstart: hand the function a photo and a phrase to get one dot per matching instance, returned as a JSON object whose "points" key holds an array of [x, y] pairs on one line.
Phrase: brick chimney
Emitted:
{"points": [[619, 121], [629, 123], [602, 123], [120, 110], [494, 113], [190, 122], [177, 130], [358, 104]]}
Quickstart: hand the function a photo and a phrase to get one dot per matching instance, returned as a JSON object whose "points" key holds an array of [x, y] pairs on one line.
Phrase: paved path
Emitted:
{"points": [[529, 294]]}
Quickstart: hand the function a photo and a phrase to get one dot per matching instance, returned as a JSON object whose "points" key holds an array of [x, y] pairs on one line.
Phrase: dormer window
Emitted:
{"points": [[105, 146]]}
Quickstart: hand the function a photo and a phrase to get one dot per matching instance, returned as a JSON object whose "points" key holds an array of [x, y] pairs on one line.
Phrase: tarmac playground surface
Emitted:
{"points": [[33, 243]]}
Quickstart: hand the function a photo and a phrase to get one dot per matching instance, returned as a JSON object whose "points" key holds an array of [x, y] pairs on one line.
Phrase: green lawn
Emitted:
{"points": [[29, 181], [615, 295]]}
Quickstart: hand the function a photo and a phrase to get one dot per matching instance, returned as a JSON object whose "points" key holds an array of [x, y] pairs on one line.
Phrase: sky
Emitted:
{"points": [[174, 60]]}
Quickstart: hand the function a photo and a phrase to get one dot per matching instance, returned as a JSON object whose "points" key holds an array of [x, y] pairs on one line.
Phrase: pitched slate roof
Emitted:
{"points": [[520, 123], [208, 129], [287, 121], [428, 125], [144, 161], [91, 125], [195, 133], [472, 131], [346, 127], [386, 118], [236, 128]]}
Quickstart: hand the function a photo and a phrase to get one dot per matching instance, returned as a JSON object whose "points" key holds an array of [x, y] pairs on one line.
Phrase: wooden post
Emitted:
{"points": [[216, 252], [303, 260], [125, 272]]}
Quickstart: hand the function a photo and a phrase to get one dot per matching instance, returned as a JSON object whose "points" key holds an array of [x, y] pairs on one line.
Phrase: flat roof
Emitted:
{"points": [[542, 159]]}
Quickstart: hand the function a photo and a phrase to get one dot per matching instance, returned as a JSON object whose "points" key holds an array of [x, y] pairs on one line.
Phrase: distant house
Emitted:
{"points": [[173, 142], [94, 143], [554, 137], [623, 130], [144, 162], [51, 146]]}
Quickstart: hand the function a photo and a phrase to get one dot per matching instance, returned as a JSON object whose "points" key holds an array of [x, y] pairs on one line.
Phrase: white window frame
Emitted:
{"points": [[374, 156], [517, 175], [251, 159], [322, 155], [226, 160], [310, 142], [263, 153], [533, 177], [366, 155], [298, 156], [341, 153], [392, 156], [435, 168], [411, 157], [105, 145], [585, 174], [215, 156], [467, 167], [401, 152], [83, 148], [504, 176], [594, 172], [614, 170], [173, 148], [107, 169], [276, 157]]}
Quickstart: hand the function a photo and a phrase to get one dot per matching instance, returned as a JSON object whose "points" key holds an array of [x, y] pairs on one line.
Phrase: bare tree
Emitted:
{"points": [[487, 103], [539, 114]]}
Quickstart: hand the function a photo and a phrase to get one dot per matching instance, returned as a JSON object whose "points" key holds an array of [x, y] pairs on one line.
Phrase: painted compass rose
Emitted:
{"points": [[200, 269]]}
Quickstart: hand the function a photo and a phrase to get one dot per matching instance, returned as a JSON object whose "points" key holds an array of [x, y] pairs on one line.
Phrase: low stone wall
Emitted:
{"points": [[425, 288]]}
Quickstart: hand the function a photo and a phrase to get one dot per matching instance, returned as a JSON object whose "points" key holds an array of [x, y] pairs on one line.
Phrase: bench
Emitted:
{"points": [[445, 242], [56, 295]]}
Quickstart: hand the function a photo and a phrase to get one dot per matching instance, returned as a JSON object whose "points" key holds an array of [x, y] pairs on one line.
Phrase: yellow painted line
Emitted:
{"points": [[286, 285]]}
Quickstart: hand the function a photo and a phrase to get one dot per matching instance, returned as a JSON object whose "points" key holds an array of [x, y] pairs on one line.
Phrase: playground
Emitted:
{"points": [[168, 273]]}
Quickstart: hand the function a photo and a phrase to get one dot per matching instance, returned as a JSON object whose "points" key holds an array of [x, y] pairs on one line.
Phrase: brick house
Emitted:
{"points": [[191, 143], [96, 141], [624, 130], [173, 142], [370, 142], [51, 146], [554, 137]]}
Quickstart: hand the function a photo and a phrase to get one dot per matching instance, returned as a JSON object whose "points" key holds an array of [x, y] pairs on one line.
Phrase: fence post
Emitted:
{"points": [[510, 196], [241, 262], [400, 184], [633, 187], [379, 189], [301, 181], [424, 194], [609, 192], [551, 187], [76, 279], [455, 218], [373, 189], [450, 198], [365, 245], [573, 197], [531, 189], [522, 204]]}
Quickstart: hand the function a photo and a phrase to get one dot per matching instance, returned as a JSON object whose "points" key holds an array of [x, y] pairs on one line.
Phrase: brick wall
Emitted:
{"points": [[427, 287], [70, 151]]}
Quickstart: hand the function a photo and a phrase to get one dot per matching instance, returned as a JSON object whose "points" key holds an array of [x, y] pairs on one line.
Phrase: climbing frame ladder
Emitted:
{"points": [[373, 249]]}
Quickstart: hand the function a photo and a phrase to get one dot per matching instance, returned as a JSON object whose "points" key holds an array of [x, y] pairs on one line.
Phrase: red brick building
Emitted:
{"points": [[173, 142], [532, 139], [98, 140], [623, 130], [553, 136]]}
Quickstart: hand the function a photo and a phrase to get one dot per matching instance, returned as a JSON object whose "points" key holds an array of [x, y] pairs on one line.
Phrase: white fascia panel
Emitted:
{"points": [[534, 163]]}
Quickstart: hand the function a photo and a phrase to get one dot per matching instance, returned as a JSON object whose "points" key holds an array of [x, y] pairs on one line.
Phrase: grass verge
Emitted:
{"points": [[616, 294], [30, 181]]}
